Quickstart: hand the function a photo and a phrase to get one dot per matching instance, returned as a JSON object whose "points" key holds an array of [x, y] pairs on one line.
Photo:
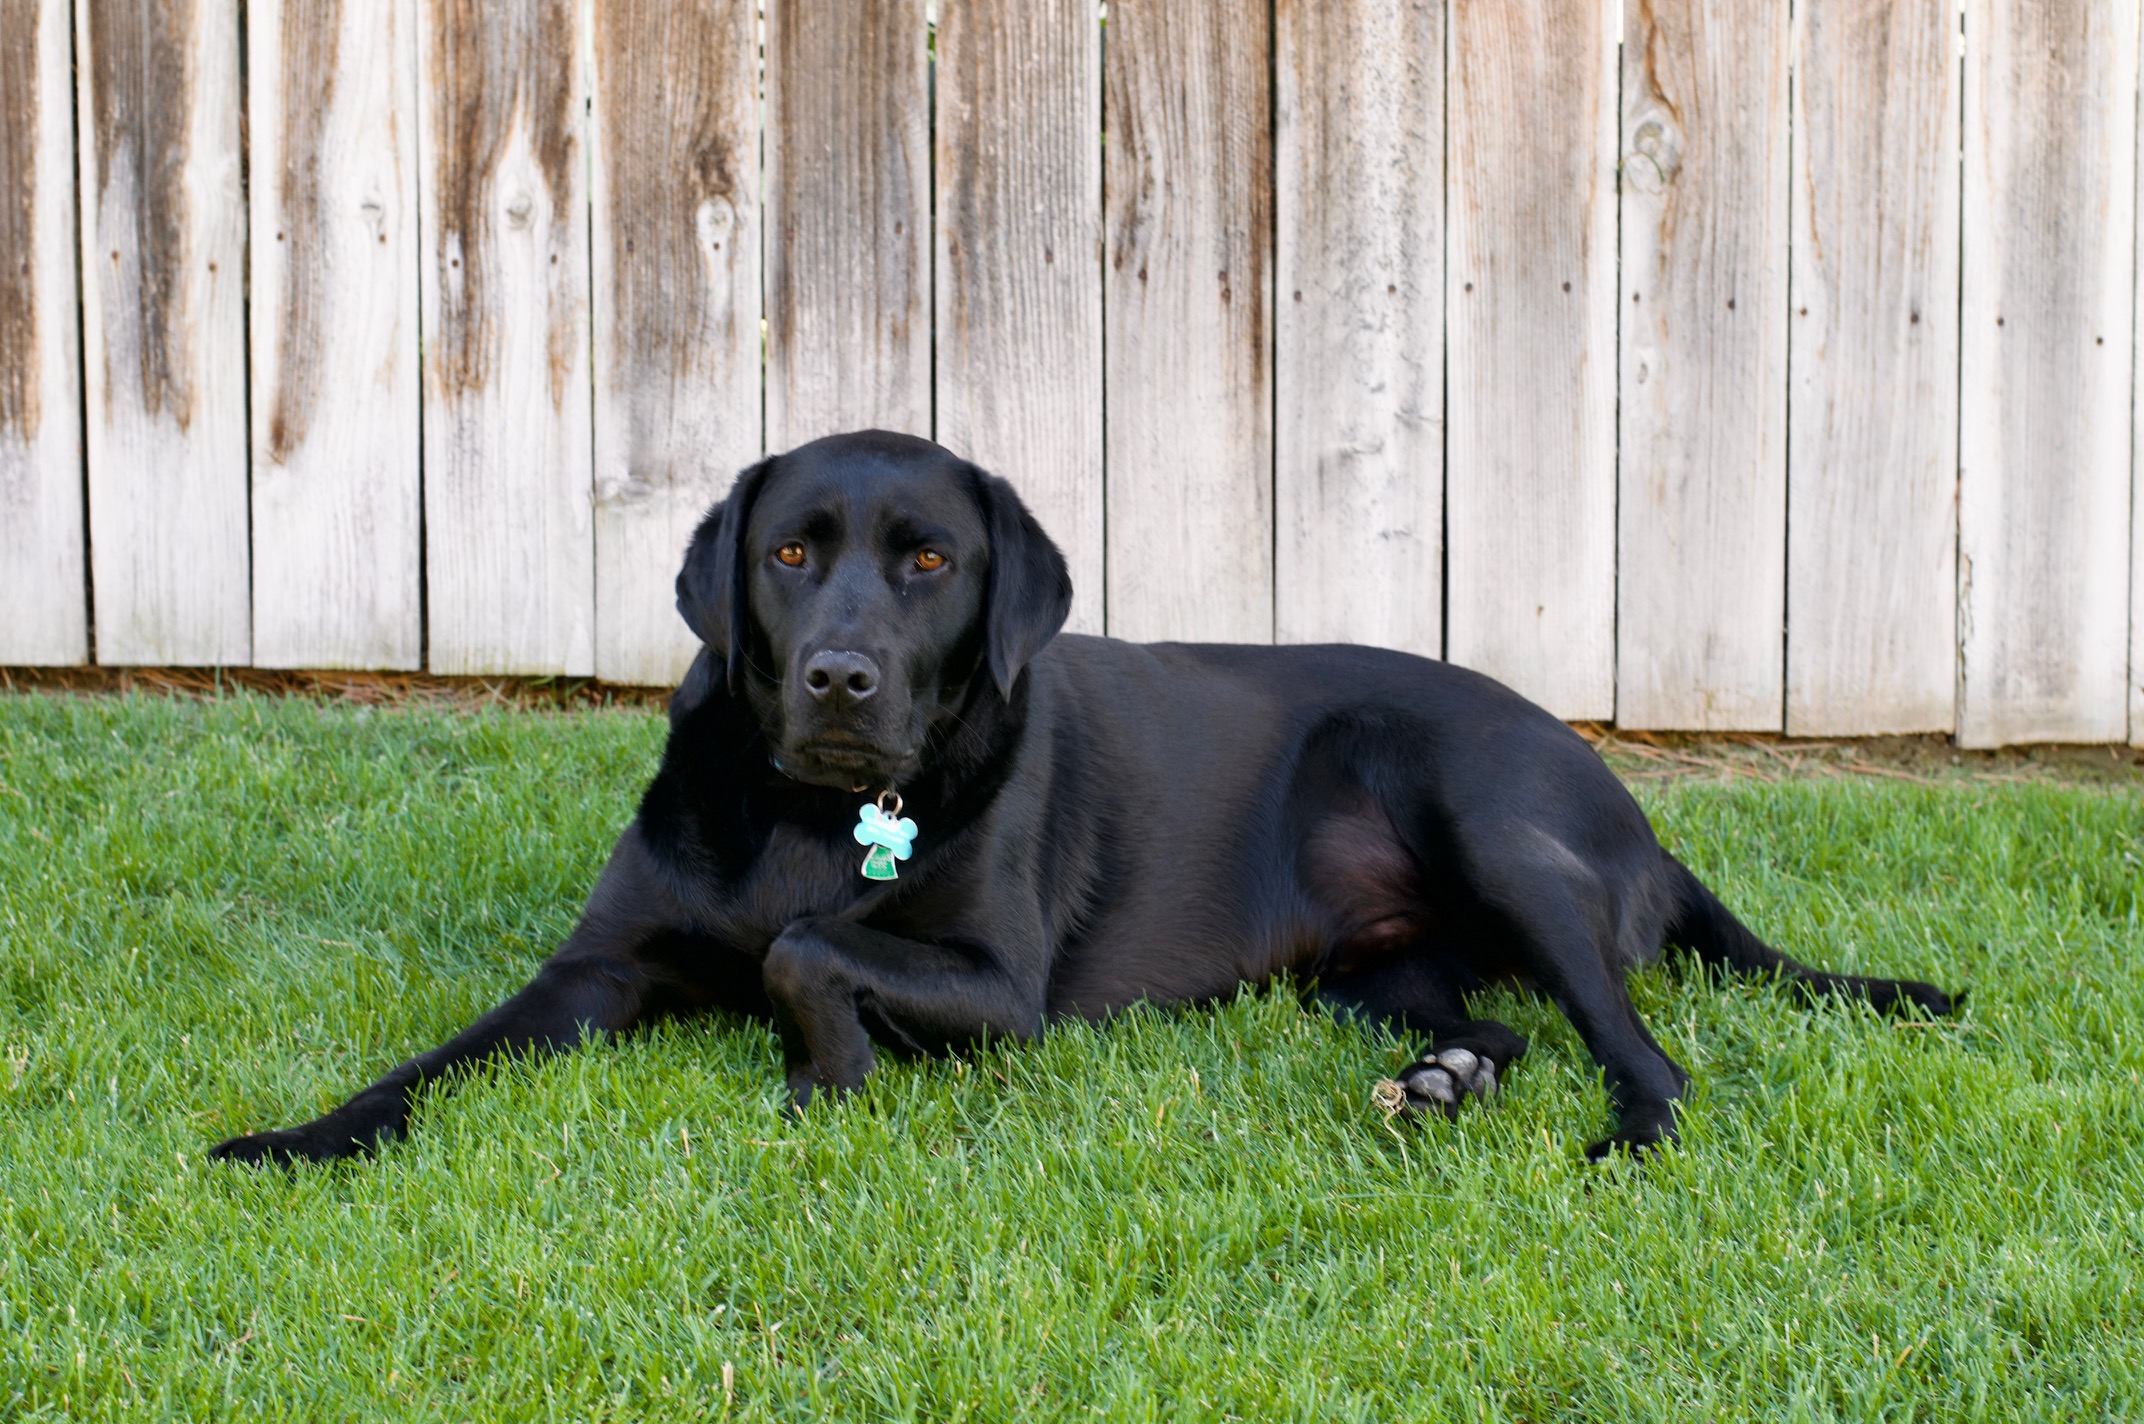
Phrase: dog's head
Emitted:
{"points": [[856, 588]]}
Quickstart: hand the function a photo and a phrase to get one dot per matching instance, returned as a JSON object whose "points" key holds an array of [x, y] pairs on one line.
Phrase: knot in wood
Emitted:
{"points": [[1656, 155], [713, 220]]}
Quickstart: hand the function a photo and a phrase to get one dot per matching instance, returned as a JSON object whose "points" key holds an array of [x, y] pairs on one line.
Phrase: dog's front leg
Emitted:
{"points": [[567, 1000], [595, 983], [828, 978]]}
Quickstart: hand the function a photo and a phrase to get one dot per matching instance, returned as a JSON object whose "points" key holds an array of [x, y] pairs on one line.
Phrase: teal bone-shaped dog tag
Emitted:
{"points": [[889, 834]]}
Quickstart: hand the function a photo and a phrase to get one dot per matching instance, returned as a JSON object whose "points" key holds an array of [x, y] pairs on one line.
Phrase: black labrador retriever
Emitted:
{"points": [[897, 811]]}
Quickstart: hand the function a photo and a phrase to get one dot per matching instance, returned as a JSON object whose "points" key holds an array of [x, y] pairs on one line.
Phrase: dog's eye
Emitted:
{"points": [[930, 561], [791, 554]]}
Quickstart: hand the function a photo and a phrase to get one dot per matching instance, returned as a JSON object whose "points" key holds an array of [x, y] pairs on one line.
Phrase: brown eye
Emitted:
{"points": [[791, 555], [930, 561]]}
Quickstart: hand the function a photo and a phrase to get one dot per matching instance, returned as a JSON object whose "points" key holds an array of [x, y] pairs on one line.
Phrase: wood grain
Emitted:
{"points": [[1530, 312], [1358, 344], [43, 584], [848, 218], [2048, 302], [164, 337], [1701, 507], [332, 105], [1187, 202], [509, 543], [1018, 284], [1872, 468], [677, 372]]}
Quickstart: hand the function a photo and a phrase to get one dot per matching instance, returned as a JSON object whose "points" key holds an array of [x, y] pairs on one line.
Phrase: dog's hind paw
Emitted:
{"points": [[1642, 1131], [1441, 1081]]}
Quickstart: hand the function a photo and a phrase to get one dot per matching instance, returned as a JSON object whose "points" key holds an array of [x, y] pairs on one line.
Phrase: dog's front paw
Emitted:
{"points": [[340, 1134], [1926, 997], [1444, 1080], [285, 1148]]}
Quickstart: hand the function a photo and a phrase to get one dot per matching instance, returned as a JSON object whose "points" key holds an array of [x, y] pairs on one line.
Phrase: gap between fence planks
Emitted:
{"points": [[1188, 288], [509, 547], [1530, 462], [332, 105], [1017, 290], [1873, 401], [1358, 361], [2135, 688], [2048, 302], [164, 339], [42, 582], [676, 231]]}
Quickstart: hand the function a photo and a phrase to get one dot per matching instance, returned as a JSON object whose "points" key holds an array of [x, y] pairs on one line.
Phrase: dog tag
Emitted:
{"points": [[889, 834]]}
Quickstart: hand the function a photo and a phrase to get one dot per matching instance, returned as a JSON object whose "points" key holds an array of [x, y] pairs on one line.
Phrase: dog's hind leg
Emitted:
{"points": [[1560, 918], [1702, 925], [1407, 994]]}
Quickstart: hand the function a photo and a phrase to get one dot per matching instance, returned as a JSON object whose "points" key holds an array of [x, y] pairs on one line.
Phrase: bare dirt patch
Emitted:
{"points": [[1637, 756]]}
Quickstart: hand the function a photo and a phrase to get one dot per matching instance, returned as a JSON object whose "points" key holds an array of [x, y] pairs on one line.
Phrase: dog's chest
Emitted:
{"points": [[799, 873]]}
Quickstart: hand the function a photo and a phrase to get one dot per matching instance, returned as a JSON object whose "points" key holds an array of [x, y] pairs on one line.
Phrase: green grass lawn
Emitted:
{"points": [[223, 915]]}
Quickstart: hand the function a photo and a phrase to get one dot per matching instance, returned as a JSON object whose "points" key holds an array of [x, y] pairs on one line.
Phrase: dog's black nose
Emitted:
{"points": [[841, 677]]}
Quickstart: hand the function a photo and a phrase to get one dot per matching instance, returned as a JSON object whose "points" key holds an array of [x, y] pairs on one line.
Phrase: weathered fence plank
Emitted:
{"points": [[676, 229], [1018, 292], [42, 583], [2048, 303], [1358, 358], [509, 550], [848, 218], [164, 336], [1530, 320], [1701, 507], [332, 120], [1188, 279], [1872, 472]]}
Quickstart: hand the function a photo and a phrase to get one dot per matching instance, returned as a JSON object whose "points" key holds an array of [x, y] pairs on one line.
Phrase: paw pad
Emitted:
{"points": [[1441, 1082]]}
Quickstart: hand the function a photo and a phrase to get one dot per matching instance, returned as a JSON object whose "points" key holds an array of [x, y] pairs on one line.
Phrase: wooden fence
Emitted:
{"points": [[1685, 364]]}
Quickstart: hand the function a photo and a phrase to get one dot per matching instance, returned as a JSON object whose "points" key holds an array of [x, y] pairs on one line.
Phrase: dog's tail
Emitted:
{"points": [[1701, 925]]}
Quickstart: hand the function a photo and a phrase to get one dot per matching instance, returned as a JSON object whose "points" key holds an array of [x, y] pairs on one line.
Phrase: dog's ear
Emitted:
{"points": [[710, 586], [1030, 588]]}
